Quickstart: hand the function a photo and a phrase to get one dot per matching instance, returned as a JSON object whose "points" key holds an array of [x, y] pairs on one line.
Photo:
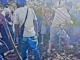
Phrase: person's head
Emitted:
{"points": [[68, 5], [6, 6], [4, 2], [47, 13], [21, 3], [59, 4]]}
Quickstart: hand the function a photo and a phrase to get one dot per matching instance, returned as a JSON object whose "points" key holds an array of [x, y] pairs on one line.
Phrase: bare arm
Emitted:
{"points": [[16, 30], [35, 26]]}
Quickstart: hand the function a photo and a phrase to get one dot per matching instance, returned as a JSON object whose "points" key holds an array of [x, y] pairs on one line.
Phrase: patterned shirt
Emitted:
{"points": [[61, 17]]}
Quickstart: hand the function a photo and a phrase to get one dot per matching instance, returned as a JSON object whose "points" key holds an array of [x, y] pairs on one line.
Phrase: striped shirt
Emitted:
{"points": [[61, 17]]}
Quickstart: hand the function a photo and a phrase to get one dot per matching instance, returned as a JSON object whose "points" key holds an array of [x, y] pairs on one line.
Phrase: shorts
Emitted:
{"points": [[56, 33], [53, 33], [43, 30]]}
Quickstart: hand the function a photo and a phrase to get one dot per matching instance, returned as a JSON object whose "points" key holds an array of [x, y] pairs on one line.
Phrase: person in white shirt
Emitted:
{"points": [[29, 40], [61, 17]]}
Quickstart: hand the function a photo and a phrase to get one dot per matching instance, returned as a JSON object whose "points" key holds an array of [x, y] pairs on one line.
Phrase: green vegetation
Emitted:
{"points": [[76, 22]]}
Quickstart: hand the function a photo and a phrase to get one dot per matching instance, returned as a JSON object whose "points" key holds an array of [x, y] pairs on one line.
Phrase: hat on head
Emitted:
{"points": [[4, 2], [21, 2]]}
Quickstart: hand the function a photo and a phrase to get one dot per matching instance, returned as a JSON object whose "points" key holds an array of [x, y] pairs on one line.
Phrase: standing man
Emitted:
{"points": [[60, 19], [29, 40]]}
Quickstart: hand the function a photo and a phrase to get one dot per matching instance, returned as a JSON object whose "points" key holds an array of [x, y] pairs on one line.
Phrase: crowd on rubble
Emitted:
{"points": [[45, 15]]}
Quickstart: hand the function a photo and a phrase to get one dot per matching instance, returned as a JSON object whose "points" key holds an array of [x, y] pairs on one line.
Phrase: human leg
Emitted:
{"points": [[53, 33], [43, 32], [33, 42], [66, 38], [24, 47], [42, 36]]}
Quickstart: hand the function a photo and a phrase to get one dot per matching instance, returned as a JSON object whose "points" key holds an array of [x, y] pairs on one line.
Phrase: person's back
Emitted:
{"points": [[25, 18], [29, 26]]}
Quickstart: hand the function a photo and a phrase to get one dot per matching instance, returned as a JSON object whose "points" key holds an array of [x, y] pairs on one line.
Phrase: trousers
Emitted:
{"points": [[30, 43]]}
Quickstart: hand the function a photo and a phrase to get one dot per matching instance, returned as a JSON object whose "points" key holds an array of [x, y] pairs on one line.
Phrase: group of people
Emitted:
{"points": [[24, 27], [20, 23], [53, 21]]}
